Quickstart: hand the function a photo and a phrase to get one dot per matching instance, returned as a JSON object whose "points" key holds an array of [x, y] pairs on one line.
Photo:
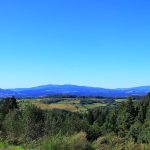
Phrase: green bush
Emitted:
{"points": [[12, 126], [74, 142], [79, 142], [57, 142], [110, 142]]}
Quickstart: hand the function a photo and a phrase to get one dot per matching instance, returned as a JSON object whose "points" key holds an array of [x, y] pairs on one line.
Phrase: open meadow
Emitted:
{"points": [[69, 104]]}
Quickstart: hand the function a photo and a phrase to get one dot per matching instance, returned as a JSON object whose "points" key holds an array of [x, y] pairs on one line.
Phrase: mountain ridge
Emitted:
{"points": [[50, 89]]}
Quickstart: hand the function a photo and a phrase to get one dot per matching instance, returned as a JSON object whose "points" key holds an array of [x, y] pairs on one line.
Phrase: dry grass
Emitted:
{"points": [[70, 104], [56, 106]]}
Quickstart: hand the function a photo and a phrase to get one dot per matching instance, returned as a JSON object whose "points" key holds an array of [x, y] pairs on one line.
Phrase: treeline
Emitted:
{"points": [[72, 96], [127, 124]]}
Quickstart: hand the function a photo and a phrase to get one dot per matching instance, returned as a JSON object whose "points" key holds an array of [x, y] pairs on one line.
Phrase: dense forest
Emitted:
{"points": [[123, 126]]}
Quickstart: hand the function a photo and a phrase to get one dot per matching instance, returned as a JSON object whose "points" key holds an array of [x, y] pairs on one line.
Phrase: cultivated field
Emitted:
{"points": [[70, 104]]}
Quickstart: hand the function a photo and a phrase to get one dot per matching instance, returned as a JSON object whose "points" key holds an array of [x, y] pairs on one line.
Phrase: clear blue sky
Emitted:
{"points": [[103, 43]]}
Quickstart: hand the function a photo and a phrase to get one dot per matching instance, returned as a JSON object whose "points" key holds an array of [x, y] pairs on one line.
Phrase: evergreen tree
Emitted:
{"points": [[90, 117], [6, 105], [130, 113]]}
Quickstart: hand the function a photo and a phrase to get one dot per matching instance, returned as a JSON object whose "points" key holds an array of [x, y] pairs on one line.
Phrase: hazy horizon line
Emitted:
{"points": [[92, 86]]}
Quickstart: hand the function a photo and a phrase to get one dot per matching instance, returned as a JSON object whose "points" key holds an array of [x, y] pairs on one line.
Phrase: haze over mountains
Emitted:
{"points": [[73, 90]]}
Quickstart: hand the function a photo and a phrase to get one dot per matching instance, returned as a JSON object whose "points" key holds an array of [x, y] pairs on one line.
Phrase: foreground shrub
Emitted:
{"points": [[57, 142], [6, 146], [12, 126], [79, 142], [131, 145], [108, 142], [33, 121], [74, 142]]}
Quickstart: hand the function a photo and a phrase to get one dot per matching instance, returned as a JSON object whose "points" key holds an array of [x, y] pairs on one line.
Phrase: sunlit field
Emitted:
{"points": [[69, 104]]}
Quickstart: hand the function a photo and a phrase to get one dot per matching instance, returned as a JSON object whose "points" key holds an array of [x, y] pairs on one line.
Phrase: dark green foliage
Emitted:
{"points": [[111, 121], [148, 97], [141, 112], [90, 117], [12, 126], [130, 113], [50, 100], [33, 121], [8, 104], [135, 132], [106, 125]]}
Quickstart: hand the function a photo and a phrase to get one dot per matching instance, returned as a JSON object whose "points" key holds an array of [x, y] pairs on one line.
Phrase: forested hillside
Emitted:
{"points": [[123, 126]]}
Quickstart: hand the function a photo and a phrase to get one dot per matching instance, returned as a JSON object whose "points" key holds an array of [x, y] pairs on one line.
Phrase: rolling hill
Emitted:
{"points": [[73, 90]]}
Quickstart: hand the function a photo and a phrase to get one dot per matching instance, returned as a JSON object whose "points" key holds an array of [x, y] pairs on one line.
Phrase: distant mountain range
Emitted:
{"points": [[73, 90]]}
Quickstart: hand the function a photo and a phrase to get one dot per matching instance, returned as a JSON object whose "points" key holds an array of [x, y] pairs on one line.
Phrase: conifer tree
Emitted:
{"points": [[130, 113]]}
